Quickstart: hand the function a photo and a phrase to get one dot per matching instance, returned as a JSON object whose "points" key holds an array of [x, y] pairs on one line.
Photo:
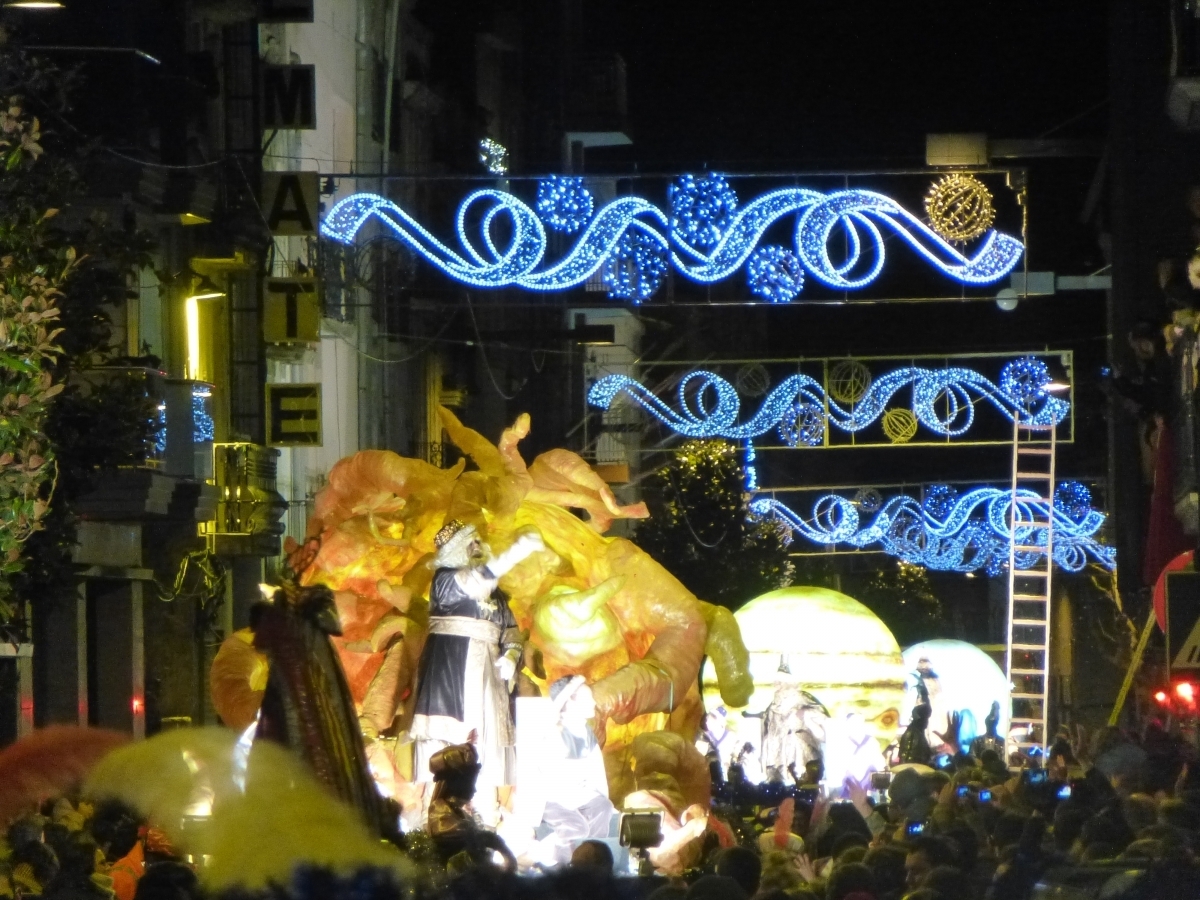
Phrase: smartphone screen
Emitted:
{"points": [[1064, 792], [913, 829], [961, 791], [985, 796]]}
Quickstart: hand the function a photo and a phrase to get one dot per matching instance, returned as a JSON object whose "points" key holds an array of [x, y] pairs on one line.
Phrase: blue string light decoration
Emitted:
{"points": [[943, 400], [701, 209], [203, 426], [1025, 379], [964, 534], [775, 273], [1073, 498], [564, 204], [803, 425], [939, 500], [750, 465], [868, 499], [707, 233], [158, 423], [636, 268]]}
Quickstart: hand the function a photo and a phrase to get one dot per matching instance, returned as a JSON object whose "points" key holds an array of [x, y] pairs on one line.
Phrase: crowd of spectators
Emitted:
{"points": [[76, 851], [1114, 816]]}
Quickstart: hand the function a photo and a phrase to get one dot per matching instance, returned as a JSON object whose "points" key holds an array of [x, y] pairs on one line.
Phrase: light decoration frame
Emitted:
{"points": [[705, 233], [709, 406], [956, 533]]}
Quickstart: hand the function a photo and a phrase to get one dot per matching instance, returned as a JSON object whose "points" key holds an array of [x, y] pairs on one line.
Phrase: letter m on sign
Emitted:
{"points": [[289, 97]]}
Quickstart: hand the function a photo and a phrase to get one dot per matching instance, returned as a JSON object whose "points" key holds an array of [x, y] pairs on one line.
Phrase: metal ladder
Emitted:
{"points": [[1031, 530]]}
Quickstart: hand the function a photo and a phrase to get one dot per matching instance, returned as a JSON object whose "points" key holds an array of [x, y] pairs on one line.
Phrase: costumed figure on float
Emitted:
{"points": [[470, 657], [593, 606], [573, 795]]}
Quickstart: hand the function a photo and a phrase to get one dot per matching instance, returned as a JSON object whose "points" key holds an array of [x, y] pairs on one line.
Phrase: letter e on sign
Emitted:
{"points": [[294, 415], [289, 202]]}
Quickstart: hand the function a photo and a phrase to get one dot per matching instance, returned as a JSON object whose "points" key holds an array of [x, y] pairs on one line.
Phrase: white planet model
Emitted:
{"points": [[825, 643], [967, 681]]}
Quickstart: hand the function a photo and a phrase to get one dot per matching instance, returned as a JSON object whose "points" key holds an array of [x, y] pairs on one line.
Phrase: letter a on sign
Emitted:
{"points": [[289, 202]]}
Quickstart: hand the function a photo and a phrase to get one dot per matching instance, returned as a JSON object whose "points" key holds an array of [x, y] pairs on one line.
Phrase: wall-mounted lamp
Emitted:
{"points": [[205, 289]]}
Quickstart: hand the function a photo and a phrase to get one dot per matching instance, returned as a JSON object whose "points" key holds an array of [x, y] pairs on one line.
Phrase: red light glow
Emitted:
{"points": [[1186, 691], [1161, 696], [137, 706]]}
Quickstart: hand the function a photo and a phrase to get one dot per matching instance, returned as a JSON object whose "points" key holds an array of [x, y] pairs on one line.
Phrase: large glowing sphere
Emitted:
{"points": [[968, 681], [832, 646]]}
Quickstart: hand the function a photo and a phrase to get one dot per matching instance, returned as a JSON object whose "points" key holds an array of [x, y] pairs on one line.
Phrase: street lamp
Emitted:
{"points": [[33, 4]]}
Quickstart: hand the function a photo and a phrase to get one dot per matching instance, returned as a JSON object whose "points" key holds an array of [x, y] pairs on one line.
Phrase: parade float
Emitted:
{"points": [[591, 605]]}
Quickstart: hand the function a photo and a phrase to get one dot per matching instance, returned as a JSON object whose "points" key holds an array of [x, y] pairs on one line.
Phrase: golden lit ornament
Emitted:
{"points": [[900, 425], [848, 381], [960, 208]]}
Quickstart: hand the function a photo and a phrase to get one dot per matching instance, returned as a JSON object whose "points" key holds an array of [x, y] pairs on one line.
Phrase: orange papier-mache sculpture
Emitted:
{"points": [[592, 605]]}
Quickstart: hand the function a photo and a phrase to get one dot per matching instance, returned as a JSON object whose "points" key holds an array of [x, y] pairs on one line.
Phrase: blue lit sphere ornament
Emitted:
{"points": [[869, 500], [803, 425], [939, 500], [775, 273], [1025, 379], [563, 203], [636, 268], [701, 208], [1073, 499]]}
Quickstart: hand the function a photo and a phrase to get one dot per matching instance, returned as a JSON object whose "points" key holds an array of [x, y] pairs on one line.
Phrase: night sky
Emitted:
{"points": [[776, 84]]}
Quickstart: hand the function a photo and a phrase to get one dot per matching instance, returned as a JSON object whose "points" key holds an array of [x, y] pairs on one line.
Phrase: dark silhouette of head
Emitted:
{"points": [[592, 855], [743, 866]]}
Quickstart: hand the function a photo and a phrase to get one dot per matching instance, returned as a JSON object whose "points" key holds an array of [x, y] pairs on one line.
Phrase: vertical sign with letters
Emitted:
{"points": [[290, 201], [294, 415], [291, 311], [289, 96]]}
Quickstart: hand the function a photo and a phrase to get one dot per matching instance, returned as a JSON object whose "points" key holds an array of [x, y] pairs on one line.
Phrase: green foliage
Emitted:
{"points": [[700, 532], [902, 596], [29, 294], [87, 263]]}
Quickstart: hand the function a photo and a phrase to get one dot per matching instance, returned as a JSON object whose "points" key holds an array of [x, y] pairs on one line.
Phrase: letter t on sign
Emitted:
{"points": [[291, 311]]}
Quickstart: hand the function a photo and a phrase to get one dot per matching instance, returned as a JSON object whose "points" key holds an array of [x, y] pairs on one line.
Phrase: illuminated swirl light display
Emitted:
{"points": [[943, 400], [706, 234], [956, 533]]}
